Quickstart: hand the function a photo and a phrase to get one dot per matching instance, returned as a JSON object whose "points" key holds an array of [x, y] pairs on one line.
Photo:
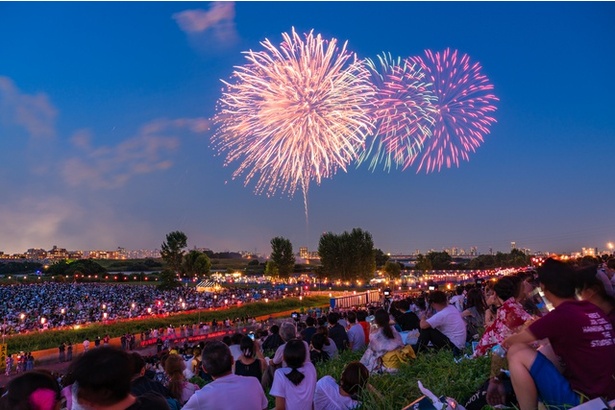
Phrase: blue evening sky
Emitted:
{"points": [[105, 111]]}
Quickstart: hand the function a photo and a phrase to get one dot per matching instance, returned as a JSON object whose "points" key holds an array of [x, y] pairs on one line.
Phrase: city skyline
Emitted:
{"points": [[106, 118]]}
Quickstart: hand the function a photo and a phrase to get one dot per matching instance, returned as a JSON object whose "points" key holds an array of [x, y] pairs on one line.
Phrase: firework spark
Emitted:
{"points": [[464, 108], [294, 114], [402, 110]]}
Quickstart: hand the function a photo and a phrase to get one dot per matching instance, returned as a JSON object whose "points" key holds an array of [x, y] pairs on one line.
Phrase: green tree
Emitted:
{"points": [[439, 260], [172, 251], [271, 269], [282, 256], [380, 257], [168, 280], [348, 256], [196, 263], [423, 263], [393, 269]]}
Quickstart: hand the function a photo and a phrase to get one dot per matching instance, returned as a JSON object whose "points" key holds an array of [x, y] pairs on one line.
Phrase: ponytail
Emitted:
{"points": [[295, 376]]}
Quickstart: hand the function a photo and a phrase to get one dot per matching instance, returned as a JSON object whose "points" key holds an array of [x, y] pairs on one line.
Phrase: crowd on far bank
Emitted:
{"points": [[548, 335], [38, 307]]}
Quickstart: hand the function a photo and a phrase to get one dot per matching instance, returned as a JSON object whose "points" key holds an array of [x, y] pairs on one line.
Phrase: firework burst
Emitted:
{"points": [[294, 114], [402, 111], [464, 107]]}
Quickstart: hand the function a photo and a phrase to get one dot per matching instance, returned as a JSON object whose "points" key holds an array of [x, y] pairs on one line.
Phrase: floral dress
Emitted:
{"points": [[508, 319]]}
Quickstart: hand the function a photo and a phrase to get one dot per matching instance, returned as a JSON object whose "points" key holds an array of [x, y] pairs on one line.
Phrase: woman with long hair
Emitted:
{"points": [[331, 396], [180, 388], [474, 314], [293, 386], [382, 340], [251, 361]]}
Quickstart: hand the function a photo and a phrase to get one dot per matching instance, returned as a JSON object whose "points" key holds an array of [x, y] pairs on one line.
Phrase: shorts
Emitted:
{"points": [[553, 388]]}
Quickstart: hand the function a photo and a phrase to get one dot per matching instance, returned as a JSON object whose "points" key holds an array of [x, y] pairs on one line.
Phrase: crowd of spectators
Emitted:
{"points": [[558, 315], [37, 307]]}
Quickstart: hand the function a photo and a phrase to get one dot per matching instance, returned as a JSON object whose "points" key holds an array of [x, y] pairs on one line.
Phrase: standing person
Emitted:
{"points": [[86, 345], [356, 338], [446, 328], [228, 390], [337, 332], [62, 352], [577, 332], [8, 362], [97, 341], [293, 387], [159, 344], [69, 351], [106, 340], [29, 362]]}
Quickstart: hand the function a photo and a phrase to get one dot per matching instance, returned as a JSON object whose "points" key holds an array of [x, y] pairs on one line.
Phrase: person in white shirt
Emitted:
{"points": [[331, 396], [356, 336], [228, 390], [446, 328], [293, 386]]}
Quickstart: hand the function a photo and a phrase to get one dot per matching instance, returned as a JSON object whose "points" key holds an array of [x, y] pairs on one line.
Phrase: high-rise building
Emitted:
{"points": [[513, 245]]}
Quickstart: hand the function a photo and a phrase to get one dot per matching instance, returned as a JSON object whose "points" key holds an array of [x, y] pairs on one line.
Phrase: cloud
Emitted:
{"points": [[112, 166], [33, 112], [34, 221], [218, 21]]}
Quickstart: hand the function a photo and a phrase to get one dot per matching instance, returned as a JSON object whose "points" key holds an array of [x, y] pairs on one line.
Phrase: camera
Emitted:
{"points": [[295, 316], [251, 335], [432, 288], [387, 292]]}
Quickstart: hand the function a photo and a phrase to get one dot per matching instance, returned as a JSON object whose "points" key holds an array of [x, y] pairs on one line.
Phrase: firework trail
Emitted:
{"points": [[294, 114], [402, 111], [464, 106]]}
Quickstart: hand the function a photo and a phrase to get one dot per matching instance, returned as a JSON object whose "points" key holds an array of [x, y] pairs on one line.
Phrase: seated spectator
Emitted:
{"points": [[577, 332], [308, 332], [458, 300], [331, 396], [445, 328], [594, 286], [382, 340], [287, 332], [317, 354], [293, 386], [404, 317], [356, 337], [234, 346], [251, 361], [103, 382], [227, 390], [180, 389], [141, 384], [361, 316], [337, 331], [474, 314], [33, 390], [510, 316], [274, 340], [329, 346]]}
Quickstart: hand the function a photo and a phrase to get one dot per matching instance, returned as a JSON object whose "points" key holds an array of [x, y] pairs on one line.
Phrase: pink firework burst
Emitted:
{"points": [[463, 109], [402, 110]]}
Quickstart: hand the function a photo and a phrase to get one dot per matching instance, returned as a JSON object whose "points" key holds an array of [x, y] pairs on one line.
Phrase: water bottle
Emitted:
{"points": [[498, 350]]}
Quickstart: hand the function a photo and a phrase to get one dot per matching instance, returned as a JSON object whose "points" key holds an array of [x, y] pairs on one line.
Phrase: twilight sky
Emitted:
{"points": [[105, 116]]}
